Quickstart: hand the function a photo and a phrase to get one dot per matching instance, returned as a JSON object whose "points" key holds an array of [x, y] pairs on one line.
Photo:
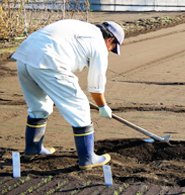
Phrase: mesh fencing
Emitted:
{"points": [[21, 17]]}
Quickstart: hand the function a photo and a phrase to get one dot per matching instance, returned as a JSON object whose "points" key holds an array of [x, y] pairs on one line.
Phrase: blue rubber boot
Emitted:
{"points": [[35, 131], [84, 141]]}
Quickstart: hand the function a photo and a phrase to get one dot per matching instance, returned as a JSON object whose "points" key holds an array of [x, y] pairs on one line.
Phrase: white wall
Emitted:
{"points": [[138, 5]]}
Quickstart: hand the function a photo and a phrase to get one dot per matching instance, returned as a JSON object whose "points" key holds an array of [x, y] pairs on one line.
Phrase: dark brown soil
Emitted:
{"points": [[137, 167]]}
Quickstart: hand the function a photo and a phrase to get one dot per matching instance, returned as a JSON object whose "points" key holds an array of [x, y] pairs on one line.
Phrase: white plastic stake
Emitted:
{"points": [[107, 175], [16, 164]]}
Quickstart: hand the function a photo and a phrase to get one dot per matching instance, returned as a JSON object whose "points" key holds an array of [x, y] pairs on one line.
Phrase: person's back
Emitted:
{"points": [[66, 44]]}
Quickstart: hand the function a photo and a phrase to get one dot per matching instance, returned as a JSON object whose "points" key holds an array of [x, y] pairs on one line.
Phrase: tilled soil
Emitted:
{"points": [[137, 167]]}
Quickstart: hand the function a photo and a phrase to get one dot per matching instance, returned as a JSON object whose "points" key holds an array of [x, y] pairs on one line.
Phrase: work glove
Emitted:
{"points": [[105, 111]]}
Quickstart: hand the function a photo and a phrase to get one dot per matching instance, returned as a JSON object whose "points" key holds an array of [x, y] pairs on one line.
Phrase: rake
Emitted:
{"points": [[164, 138]]}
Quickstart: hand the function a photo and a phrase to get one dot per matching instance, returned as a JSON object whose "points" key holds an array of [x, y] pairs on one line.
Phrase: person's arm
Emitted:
{"points": [[98, 63], [99, 99], [104, 109]]}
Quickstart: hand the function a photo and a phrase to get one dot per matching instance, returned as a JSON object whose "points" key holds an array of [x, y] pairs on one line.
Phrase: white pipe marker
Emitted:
{"points": [[16, 164], [107, 175]]}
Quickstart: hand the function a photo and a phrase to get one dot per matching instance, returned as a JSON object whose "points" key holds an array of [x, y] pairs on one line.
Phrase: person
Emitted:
{"points": [[47, 61]]}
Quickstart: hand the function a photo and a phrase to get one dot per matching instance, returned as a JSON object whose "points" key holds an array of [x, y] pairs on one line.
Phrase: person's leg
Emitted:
{"points": [[65, 92], [40, 106], [84, 141], [73, 104], [35, 130]]}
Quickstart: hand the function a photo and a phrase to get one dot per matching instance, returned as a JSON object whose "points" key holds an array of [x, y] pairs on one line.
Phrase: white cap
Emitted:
{"points": [[118, 33]]}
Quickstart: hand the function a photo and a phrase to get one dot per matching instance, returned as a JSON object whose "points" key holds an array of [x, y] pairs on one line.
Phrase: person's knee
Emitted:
{"points": [[42, 114], [84, 130]]}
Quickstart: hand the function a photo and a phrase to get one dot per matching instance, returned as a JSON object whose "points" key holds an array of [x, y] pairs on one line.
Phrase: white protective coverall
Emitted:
{"points": [[46, 63]]}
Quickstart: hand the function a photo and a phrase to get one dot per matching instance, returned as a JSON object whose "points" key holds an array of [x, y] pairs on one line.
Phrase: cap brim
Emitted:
{"points": [[116, 50]]}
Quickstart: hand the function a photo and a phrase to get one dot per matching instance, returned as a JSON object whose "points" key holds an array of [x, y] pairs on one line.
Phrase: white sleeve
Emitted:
{"points": [[98, 64]]}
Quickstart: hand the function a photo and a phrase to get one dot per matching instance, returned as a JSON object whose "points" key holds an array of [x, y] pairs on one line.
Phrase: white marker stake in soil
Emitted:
{"points": [[107, 175], [16, 164]]}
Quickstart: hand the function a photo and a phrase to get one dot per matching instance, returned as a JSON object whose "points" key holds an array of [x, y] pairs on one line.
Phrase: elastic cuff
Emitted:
{"points": [[83, 131], [36, 121]]}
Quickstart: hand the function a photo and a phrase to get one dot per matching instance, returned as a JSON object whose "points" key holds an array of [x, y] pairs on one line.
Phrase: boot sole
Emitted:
{"points": [[88, 167], [50, 150]]}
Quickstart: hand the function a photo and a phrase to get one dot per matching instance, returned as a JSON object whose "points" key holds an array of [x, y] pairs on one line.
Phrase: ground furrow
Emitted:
{"points": [[154, 62], [153, 83], [145, 38], [176, 109]]}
